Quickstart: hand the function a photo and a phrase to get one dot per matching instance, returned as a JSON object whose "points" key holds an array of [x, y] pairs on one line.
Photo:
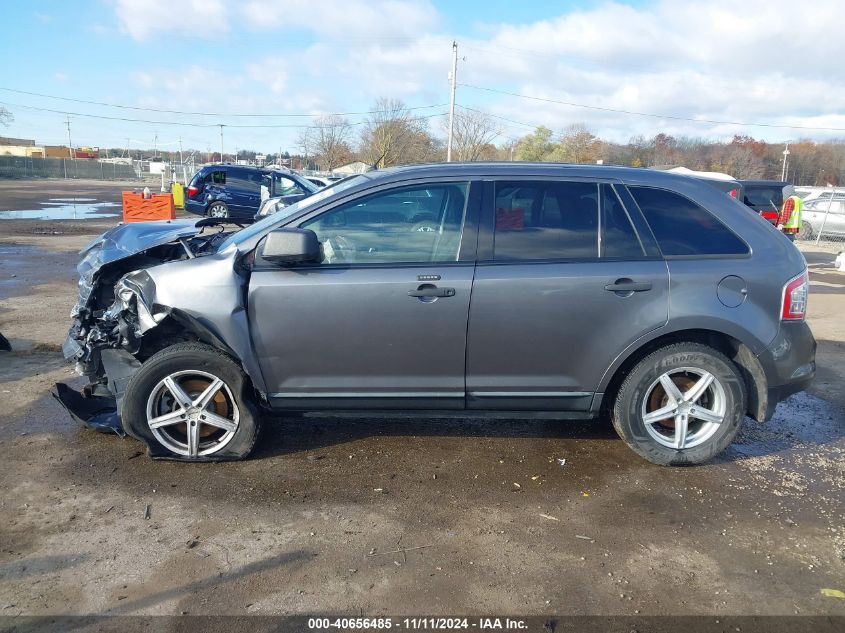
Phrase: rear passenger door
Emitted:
{"points": [[566, 280]]}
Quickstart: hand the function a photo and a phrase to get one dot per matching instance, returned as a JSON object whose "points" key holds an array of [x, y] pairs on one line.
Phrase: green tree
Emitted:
{"points": [[537, 146]]}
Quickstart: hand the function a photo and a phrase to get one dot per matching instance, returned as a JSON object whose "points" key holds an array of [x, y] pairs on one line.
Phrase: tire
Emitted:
{"points": [[806, 232], [217, 209], [226, 427], [643, 393]]}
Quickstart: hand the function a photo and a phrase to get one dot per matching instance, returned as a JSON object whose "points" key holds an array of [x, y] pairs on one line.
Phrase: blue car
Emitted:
{"points": [[235, 191]]}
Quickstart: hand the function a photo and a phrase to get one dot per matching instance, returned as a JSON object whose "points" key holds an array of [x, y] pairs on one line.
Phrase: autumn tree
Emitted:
{"points": [[577, 145]]}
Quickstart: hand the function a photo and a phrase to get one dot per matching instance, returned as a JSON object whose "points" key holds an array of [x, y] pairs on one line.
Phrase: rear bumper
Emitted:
{"points": [[789, 363]]}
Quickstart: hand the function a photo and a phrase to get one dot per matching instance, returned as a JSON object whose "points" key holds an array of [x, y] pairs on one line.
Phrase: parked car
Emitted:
{"points": [[721, 181], [825, 214], [529, 290], [277, 203], [323, 181], [235, 191], [811, 193], [766, 196]]}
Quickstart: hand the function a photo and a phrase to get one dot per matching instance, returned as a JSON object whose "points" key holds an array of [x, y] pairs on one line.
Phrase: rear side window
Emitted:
{"points": [[540, 220], [684, 228], [217, 177]]}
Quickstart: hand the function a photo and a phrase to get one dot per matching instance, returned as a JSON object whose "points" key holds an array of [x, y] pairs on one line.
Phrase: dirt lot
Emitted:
{"points": [[309, 524]]}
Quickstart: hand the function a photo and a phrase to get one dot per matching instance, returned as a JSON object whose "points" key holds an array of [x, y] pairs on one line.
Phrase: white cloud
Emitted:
{"points": [[141, 19], [770, 61], [344, 18]]}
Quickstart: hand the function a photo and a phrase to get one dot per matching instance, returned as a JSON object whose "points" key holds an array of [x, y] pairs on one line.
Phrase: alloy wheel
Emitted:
{"points": [[192, 413], [684, 407]]}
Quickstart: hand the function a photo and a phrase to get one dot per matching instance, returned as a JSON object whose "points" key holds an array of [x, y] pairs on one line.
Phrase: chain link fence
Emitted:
{"points": [[27, 167], [823, 220]]}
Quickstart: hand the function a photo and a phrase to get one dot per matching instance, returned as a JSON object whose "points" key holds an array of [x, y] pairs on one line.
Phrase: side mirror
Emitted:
{"points": [[290, 246]]}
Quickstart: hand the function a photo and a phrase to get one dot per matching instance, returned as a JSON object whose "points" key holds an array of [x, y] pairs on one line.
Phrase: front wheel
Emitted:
{"points": [[189, 402], [682, 404]]}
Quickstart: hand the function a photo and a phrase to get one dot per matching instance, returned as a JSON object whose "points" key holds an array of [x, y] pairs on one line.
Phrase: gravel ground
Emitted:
{"points": [[491, 519]]}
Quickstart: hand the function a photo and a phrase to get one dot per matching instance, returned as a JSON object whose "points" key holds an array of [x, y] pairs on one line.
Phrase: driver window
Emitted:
{"points": [[420, 224]]}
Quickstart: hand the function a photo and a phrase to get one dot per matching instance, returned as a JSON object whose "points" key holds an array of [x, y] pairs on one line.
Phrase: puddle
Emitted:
{"points": [[66, 209]]}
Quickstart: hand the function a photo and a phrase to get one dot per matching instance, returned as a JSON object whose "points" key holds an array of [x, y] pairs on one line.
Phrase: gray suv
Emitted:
{"points": [[539, 290]]}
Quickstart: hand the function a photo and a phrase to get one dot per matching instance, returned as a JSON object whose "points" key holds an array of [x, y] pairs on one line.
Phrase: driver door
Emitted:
{"points": [[381, 321]]}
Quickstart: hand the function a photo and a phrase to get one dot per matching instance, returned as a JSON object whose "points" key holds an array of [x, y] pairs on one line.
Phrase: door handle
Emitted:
{"points": [[427, 290], [628, 286]]}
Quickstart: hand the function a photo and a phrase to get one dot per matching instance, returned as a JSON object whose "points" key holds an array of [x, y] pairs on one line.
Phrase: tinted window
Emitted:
{"points": [[538, 220], [618, 236], [217, 177], [684, 228], [413, 224], [769, 197]]}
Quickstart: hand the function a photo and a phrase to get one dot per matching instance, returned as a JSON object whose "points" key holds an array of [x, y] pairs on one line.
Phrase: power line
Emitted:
{"points": [[185, 123], [657, 116], [217, 114]]}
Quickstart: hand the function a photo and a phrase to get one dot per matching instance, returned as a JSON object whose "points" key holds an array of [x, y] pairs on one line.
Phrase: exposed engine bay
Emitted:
{"points": [[117, 304]]}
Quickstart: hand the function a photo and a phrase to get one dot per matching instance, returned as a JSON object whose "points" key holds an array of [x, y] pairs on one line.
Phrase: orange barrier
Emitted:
{"points": [[159, 206]]}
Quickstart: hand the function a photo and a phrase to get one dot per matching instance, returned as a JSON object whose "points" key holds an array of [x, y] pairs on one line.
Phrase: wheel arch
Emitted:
{"points": [[180, 327], [738, 351]]}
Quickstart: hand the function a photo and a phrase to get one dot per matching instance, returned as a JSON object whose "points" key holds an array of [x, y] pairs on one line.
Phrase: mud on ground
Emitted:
{"points": [[493, 521]]}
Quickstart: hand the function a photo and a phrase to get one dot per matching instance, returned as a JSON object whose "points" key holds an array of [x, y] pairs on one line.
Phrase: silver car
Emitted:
{"points": [[528, 290], [823, 215]]}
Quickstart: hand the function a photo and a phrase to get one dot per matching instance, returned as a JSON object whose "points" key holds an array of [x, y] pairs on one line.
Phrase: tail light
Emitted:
{"points": [[733, 193], [771, 216], [795, 298], [192, 191]]}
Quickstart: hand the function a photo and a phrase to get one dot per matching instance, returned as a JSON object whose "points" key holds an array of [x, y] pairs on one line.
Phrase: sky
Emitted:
{"points": [[701, 68]]}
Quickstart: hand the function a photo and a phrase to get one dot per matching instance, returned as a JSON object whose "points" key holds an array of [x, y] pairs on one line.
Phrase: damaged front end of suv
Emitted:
{"points": [[132, 303]]}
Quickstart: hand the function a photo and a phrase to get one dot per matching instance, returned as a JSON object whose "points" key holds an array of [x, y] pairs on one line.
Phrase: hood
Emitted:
{"points": [[126, 240]]}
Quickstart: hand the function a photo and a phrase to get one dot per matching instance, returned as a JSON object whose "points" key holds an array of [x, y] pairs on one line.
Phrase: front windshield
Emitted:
{"points": [[286, 212]]}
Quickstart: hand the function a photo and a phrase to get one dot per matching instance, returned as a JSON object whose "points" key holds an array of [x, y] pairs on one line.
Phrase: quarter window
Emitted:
{"points": [[684, 228], [541, 220], [218, 177], [420, 224]]}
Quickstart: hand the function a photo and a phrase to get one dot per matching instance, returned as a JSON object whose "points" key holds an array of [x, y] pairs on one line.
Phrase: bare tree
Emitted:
{"points": [[6, 117], [474, 133], [327, 141], [393, 136]]}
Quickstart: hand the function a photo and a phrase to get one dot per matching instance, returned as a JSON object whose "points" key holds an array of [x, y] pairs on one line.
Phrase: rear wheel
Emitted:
{"points": [[682, 404], [218, 210], [188, 402]]}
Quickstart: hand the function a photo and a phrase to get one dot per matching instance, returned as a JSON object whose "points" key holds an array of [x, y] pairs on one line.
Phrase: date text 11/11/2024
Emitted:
{"points": [[420, 623]]}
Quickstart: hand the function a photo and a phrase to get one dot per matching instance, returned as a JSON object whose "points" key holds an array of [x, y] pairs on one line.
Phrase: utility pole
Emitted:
{"points": [[221, 142], [155, 145], [69, 142], [454, 77], [180, 151], [785, 154]]}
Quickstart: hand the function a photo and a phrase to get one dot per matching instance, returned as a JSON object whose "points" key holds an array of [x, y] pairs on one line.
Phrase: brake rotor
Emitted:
{"points": [[659, 398], [219, 405]]}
